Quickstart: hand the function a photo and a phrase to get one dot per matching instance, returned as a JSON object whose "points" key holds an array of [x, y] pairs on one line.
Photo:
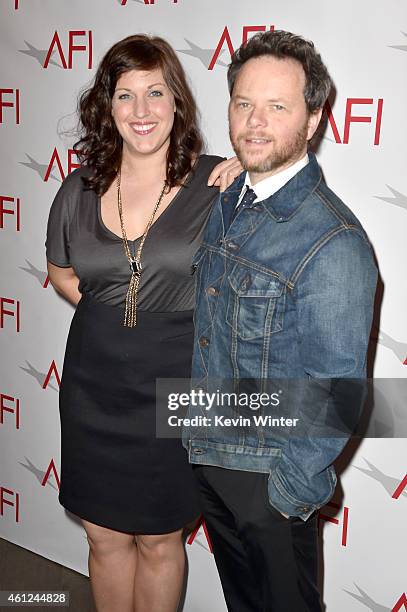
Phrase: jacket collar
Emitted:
{"points": [[284, 203]]}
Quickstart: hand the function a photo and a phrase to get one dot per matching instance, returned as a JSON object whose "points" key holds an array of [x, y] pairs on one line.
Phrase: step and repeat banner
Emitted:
{"points": [[49, 51]]}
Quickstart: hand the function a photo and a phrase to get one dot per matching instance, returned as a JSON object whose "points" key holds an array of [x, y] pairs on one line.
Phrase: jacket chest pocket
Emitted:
{"points": [[255, 304]]}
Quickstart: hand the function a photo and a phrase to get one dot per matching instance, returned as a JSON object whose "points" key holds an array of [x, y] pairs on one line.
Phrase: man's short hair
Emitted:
{"points": [[285, 45]]}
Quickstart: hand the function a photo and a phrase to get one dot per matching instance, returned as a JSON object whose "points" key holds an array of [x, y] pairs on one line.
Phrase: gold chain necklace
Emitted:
{"points": [[130, 313]]}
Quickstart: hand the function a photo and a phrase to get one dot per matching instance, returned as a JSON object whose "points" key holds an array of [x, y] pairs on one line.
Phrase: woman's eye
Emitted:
{"points": [[123, 96], [156, 93]]}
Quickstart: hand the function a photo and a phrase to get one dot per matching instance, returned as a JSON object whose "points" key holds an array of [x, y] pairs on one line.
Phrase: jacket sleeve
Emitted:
{"points": [[334, 299]]}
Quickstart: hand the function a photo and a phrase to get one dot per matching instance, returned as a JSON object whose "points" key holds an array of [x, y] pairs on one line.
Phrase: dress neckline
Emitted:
{"points": [[169, 205]]}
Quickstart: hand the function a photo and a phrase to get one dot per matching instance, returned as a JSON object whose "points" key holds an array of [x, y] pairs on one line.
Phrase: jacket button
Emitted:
{"points": [[232, 245], [304, 509], [203, 341], [212, 291], [226, 198]]}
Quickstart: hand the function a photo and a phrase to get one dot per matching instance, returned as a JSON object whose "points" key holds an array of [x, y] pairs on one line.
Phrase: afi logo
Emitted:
{"points": [[51, 470], [41, 276], [399, 490], [85, 46], [367, 600], [10, 499], [56, 159], [193, 536], [402, 602], [375, 118], [10, 405], [52, 371], [226, 39], [398, 348], [335, 521], [397, 199], [394, 487], [12, 101], [14, 211], [5, 305]]}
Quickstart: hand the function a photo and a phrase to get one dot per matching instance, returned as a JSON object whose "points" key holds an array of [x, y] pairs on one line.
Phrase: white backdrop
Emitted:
{"points": [[49, 50]]}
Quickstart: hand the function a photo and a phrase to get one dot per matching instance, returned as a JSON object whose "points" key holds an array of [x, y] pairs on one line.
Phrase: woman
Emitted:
{"points": [[121, 235]]}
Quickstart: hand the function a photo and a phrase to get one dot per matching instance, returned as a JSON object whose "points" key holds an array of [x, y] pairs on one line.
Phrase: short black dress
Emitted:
{"points": [[115, 471]]}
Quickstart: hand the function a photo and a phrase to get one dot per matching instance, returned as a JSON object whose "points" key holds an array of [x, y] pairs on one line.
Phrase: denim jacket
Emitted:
{"points": [[286, 293]]}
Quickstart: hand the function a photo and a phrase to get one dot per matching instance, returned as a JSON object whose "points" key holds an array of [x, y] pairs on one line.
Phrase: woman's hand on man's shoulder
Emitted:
{"points": [[224, 174]]}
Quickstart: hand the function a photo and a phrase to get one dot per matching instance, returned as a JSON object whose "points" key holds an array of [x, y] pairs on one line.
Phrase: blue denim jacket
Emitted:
{"points": [[286, 293]]}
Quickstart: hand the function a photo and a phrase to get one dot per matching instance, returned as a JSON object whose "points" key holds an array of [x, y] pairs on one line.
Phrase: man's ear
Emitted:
{"points": [[313, 122]]}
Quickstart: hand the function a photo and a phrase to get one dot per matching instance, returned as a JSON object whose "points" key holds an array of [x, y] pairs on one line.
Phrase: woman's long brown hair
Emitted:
{"points": [[100, 144]]}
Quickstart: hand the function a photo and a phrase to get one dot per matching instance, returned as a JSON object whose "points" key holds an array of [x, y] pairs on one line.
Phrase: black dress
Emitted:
{"points": [[115, 472]]}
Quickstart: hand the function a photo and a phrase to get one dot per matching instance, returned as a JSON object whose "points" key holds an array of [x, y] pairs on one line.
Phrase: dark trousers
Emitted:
{"points": [[266, 562]]}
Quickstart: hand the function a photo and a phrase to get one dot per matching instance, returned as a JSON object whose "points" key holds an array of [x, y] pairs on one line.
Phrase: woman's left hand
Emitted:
{"points": [[225, 173]]}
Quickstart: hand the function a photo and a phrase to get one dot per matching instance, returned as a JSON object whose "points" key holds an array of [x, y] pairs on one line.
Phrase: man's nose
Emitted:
{"points": [[257, 118]]}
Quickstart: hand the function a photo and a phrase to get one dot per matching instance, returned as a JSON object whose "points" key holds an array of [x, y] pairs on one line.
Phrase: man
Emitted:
{"points": [[285, 290]]}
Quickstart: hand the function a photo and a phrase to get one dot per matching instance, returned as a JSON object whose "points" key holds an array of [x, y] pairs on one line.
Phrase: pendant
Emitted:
{"points": [[135, 267]]}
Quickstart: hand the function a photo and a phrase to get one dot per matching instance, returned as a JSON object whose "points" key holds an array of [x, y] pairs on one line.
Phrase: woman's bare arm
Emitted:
{"points": [[65, 282]]}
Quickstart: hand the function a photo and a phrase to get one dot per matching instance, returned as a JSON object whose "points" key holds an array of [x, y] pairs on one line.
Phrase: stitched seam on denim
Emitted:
{"points": [[313, 190], [228, 191], [202, 359], [232, 237], [213, 282], [331, 207], [265, 360], [197, 260], [209, 327], [254, 225], [267, 329], [267, 340], [280, 488], [315, 248], [233, 350], [243, 451], [249, 264], [224, 278]]}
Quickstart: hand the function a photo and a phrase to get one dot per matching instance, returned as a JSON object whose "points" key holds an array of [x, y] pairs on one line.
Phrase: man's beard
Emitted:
{"points": [[281, 156]]}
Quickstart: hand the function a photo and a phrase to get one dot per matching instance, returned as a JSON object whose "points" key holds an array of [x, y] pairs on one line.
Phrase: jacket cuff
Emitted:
{"points": [[284, 502]]}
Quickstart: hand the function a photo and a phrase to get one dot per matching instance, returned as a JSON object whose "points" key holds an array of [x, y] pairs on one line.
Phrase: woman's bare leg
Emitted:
{"points": [[160, 572], [112, 568]]}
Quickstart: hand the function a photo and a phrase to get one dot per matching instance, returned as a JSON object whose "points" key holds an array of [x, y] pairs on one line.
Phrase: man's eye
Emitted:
{"points": [[243, 105], [278, 107]]}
